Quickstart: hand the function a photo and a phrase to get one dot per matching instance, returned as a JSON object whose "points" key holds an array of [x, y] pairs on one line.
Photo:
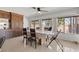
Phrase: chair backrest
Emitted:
{"points": [[32, 32], [24, 31], [2, 39], [56, 35], [50, 29]]}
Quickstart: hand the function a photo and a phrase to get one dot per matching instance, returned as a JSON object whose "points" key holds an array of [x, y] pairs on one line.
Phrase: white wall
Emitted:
{"points": [[25, 22]]}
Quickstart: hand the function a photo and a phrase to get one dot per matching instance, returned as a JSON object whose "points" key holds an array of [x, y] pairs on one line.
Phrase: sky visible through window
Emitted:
{"points": [[67, 21]]}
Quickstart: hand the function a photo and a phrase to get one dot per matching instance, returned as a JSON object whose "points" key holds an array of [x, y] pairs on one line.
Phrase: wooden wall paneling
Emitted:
{"points": [[20, 21], [17, 21], [10, 25], [4, 14]]}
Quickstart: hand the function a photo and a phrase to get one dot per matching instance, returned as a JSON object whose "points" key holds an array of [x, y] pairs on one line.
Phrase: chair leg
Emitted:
{"points": [[23, 40], [26, 41], [35, 44], [39, 42], [30, 43], [47, 38], [49, 43], [0, 49]]}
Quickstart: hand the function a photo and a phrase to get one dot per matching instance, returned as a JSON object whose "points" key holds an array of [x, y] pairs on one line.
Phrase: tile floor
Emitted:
{"points": [[16, 45]]}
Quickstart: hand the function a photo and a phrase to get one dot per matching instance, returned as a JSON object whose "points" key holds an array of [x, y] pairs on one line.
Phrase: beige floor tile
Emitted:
{"points": [[16, 45]]}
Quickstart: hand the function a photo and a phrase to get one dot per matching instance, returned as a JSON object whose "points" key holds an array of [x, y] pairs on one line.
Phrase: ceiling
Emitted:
{"points": [[29, 11]]}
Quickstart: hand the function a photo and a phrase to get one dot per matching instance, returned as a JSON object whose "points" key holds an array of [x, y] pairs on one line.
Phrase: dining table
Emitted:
{"points": [[47, 34], [43, 32]]}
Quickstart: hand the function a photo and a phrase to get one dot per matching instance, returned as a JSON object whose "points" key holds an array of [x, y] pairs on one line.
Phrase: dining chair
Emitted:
{"points": [[54, 38], [33, 37], [25, 35], [50, 28], [2, 39]]}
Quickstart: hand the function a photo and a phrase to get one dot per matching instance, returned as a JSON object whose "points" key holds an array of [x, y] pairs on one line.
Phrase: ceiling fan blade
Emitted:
{"points": [[38, 9], [34, 7], [44, 10]]}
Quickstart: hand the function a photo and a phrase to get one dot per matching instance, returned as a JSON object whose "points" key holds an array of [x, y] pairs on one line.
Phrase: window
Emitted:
{"points": [[4, 23], [74, 25], [68, 24], [61, 24], [47, 24], [77, 24], [35, 24]]}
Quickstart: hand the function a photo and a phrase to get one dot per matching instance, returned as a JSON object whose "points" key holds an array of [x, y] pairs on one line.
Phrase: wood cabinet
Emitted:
{"points": [[4, 14], [16, 21]]}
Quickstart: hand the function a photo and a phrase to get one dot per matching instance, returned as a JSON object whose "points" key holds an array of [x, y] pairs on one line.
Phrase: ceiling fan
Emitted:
{"points": [[39, 10]]}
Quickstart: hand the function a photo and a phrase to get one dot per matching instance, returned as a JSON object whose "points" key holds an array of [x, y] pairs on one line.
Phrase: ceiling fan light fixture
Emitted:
{"points": [[39, 12]]}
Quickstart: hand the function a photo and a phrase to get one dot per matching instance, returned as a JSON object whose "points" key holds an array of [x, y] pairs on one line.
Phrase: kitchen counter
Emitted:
{"points": [[9, 33]]}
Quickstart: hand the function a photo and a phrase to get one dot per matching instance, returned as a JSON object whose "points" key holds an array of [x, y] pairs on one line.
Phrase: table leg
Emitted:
{"points": [[40, 42], [47, 38]]}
